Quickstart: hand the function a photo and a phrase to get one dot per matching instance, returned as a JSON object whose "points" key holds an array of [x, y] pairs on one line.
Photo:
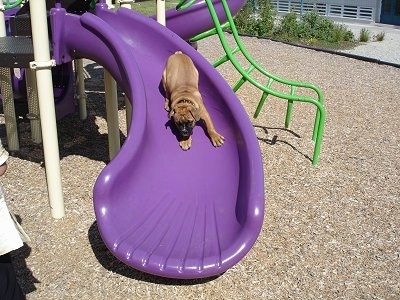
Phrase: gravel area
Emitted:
{"points": [[331, 231], [386, 50]]}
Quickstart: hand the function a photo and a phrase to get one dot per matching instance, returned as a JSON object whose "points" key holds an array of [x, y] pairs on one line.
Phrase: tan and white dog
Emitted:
{"points": [[183, 100]]}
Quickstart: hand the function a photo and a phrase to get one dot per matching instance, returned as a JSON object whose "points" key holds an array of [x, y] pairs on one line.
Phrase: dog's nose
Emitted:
{"points": [[185, 132]]}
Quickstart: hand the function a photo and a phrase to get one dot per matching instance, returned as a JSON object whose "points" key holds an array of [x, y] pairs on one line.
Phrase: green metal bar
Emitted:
{"points": [[239, 84], [8, 4], [260, 104], [316, 125], [248, 56], [243, 79], [288, 113], [318, 101], [208, 33], [220, 61], [289, 107], [182, 4], [224, 58], [238, 67], [263, 98], [316, 128], [320, 133]]}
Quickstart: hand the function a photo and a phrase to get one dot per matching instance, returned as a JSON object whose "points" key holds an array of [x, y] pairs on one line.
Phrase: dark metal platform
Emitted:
{"points": [[16, 52]]}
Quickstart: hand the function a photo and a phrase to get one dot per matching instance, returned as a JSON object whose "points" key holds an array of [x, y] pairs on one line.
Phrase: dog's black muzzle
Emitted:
{"points": [[185, 129]]}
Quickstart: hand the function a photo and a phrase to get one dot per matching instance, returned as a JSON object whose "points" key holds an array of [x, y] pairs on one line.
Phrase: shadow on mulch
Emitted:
{"points": [[111, 263], [75, 136], [24, 274], [275, 139]]}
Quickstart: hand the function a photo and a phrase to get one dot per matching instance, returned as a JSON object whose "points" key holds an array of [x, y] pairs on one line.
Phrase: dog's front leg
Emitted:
{"points": [[167, 103], [216, 139]]}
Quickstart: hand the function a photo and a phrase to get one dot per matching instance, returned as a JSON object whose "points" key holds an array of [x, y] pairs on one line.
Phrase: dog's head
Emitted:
{"points": [[185, 115]]}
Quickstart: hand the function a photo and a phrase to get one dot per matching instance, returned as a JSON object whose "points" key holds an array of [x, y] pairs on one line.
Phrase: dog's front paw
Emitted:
{"points": [[186, 144], [216, 139]]}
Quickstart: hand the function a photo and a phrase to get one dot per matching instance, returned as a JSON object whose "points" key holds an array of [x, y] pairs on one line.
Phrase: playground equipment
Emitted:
{"points": [[193, 17], [16, 54], [161, 210], [6, 82], [295, 91]]}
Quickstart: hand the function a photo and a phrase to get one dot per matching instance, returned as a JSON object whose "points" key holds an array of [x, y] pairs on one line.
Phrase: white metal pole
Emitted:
{"points": [[3, 31], [42, 65], [128, 113], [109, 3], [161, 12], [110, 86], [126, 3], [80, 83]]}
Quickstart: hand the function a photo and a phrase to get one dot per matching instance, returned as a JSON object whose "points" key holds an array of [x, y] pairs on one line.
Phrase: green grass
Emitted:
{"points": [[148, 7], [379, 37], [365, 35]]}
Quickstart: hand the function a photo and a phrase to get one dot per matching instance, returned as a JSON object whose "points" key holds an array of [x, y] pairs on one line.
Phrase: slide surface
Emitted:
{"points": [[164, 211]]}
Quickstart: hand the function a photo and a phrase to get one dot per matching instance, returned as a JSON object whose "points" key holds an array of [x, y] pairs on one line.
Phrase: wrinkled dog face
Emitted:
{"points": [[184, 119]]}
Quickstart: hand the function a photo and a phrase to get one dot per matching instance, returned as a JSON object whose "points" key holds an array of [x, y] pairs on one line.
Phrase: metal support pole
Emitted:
{"points": [[110, 87], [161, 12], [33, 106], [42, 65], [126, 3], [80, 83], [128, 113]]}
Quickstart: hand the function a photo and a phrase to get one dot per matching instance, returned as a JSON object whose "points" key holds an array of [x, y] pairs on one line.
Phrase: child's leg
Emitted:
{"points": [[9, 287]]}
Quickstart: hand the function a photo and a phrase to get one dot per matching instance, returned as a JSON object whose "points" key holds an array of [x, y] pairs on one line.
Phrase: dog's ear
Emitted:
{"points": [[171, 113], [195, 112]]}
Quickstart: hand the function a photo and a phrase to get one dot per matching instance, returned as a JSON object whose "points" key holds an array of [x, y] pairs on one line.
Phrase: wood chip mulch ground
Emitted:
{"points": [[331, 231]]}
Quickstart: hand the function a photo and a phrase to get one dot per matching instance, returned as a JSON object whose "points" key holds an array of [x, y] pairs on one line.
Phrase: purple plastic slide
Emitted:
{"points": [[164, 211]]}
